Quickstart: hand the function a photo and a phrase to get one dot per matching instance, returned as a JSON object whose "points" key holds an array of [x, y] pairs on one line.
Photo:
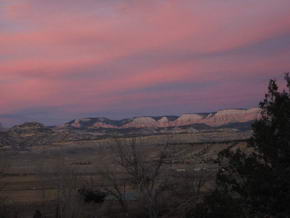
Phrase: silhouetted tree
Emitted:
{"points": [[255, 182], [137, 175], [94, 196], [37, 214]]}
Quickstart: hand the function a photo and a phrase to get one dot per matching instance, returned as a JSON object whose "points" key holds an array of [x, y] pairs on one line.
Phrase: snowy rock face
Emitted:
{"points": [[214, 119], [163, 122], [232, 116], [142, 122], [187, 119]]}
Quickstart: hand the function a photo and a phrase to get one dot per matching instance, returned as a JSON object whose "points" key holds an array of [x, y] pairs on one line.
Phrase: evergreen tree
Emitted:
{"points": [[256, 182]]}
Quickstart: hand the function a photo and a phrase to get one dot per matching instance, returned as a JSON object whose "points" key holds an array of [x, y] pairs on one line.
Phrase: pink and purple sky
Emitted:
{"points": [[66, 59]]}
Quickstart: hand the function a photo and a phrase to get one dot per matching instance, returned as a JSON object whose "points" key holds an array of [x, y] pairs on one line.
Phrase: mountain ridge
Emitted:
{"points": [[28, 134], [214, 119]]}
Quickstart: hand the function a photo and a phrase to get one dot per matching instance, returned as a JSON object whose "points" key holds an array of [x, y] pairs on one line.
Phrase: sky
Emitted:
{"points": [[67, 59]]}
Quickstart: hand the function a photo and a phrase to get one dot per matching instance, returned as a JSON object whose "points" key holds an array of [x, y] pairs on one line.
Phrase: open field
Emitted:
{"points": [[32, 176]]}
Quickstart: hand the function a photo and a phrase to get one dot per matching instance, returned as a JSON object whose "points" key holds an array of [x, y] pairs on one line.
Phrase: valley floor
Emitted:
{"points": [[31, 178]]}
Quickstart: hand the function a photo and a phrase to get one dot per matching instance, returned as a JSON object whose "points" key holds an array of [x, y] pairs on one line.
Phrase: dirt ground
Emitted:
{"points": [[30, 180]]}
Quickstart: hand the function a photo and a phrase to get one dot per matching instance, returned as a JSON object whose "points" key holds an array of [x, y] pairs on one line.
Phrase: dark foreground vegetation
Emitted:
{"points": [[247, 180], [256, 183]]}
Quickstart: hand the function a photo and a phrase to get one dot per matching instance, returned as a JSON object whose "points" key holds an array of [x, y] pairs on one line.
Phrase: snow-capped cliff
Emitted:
{"points": [[219, 118]]}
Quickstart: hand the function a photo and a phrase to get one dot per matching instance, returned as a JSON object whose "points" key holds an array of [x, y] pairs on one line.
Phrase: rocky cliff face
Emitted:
{"points": [[34, 134], [27, 134], [29, 129], [142, 122], [187, 119], [219, 118], [232, 116]]}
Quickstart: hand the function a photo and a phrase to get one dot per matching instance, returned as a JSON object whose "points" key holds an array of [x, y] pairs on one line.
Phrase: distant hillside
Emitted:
{"points": [[219, 118], [34, 134]]}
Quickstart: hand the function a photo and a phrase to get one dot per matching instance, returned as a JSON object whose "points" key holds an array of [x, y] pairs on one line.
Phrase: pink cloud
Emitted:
{"points": [[45, 44]]}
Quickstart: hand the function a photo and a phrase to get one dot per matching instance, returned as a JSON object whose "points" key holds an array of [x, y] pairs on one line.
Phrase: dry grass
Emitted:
{"points": [[31, 177]]}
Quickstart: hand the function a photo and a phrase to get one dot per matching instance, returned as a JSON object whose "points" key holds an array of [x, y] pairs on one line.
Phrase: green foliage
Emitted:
{"points": [[255, 182]]}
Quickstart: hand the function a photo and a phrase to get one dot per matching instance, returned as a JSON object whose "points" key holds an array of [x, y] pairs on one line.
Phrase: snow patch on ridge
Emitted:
{"points": [[219, 118], [142, 122]]}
